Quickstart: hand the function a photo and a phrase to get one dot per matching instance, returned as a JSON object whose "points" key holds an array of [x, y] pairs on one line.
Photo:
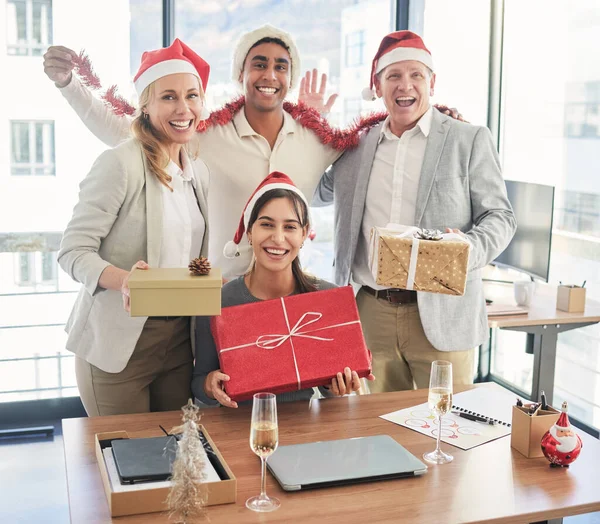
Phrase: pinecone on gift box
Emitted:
{"points": [[199, 266]]}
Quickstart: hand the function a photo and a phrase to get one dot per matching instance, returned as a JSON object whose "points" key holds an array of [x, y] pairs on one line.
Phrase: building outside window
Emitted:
{"points": [[32, 148], [40, 135], [355, 47], [549, 135], [36, 269], [29, 26], [338, 37]]}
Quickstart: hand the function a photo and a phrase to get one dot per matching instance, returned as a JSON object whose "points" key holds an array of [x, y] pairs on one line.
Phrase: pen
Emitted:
{"points": [[474, 418], [583, 285], [543, 399]]}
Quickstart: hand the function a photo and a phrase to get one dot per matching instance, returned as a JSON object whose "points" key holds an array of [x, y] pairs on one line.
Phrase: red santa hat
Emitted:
{"points": [[397, 47], [563, 419], [247, 41], [177, 58], [239, 246]]}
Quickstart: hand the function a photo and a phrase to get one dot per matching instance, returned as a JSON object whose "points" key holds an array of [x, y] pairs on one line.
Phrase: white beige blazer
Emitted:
{"points": [[117, 221]]}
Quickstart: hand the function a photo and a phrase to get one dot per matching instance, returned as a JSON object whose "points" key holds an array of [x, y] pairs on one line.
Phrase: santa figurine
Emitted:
{"points": [[561, 445]]}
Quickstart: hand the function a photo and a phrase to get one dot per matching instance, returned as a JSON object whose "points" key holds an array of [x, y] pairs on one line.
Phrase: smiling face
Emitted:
{"points": [[174, 107], [278, 232], [266, 76], [405, 87]]}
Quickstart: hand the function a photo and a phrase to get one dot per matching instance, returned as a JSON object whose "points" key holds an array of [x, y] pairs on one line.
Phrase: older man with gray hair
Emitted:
{"points": [[417, 168]]}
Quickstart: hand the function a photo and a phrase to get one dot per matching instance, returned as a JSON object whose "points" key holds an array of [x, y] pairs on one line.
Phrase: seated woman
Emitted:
{"points": [[141, 205], [276, 221]]}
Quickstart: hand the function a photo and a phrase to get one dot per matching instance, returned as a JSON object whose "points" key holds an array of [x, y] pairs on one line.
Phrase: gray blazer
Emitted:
{"points": [[461, 186], [117, 221]]}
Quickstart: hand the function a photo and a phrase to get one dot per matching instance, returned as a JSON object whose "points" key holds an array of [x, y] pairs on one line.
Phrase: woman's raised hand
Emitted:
{"points": [[214, 388], [140, 264]]}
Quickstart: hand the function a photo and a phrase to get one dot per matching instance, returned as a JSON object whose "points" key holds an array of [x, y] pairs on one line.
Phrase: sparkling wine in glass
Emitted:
{"points": [[264, 437], [440, 402]]}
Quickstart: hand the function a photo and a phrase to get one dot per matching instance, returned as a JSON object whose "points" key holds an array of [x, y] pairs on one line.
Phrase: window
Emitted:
{"points": [[32, 148], [29, 26], [460, 58], [550, 125], [355, 47], [41, 135], [338, 37], [582, 110], [36, 269]]}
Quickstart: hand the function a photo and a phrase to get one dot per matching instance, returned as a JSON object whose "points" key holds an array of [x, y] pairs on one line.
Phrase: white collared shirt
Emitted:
{"points": [[239, 159], [393, 186], [183, 223]]}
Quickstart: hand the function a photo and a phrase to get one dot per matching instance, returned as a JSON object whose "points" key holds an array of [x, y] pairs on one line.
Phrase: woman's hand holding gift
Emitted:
{"points": [[214, 388], [346, 382]]}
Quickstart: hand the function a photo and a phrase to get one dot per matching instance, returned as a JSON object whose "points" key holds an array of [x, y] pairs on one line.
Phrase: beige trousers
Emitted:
{"points": [[402, 355], [157, 377]]}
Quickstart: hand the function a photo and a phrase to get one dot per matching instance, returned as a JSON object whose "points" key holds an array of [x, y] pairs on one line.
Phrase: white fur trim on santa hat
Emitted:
{"points": [[246, 42], [261, 192], [401, 54], [167, 67]]}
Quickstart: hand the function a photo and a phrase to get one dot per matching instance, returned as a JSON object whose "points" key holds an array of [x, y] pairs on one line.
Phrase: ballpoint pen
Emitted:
{"points": [[475, 418]]}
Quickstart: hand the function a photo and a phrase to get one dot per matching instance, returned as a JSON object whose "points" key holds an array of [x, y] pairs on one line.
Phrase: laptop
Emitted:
{"points": [[339, 462]]}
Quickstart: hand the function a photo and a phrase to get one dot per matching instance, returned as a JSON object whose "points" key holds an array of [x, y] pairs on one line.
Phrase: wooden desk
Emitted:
{"points": [[488, 483], [543, 322]]}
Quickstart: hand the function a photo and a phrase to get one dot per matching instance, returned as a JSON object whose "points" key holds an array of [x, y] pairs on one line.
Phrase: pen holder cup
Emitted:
{"points": [[570, 299], [527, 430]]}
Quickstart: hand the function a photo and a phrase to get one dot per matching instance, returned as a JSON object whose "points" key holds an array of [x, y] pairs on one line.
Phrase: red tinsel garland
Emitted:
{"points": [[84, 69], [338, 139]]}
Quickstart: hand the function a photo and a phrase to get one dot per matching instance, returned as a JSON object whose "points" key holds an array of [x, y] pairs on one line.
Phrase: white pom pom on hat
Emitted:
{"points": [[247, 41], [397, 47], [239, 247]]}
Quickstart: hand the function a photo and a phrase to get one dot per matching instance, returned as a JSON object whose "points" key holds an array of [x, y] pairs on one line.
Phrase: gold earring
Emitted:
{"points": [[146, 115], [250, 242]]}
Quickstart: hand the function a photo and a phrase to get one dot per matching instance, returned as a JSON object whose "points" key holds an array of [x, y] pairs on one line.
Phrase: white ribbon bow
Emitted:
{"points": [[274, 341]]}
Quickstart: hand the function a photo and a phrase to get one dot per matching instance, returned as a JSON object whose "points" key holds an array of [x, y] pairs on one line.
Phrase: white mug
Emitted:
{"points": [[524, 290]]}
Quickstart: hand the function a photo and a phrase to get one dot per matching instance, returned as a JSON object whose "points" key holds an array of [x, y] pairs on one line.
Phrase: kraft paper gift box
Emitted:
{"points": [[174, 292], [570, 299], [398, 258], [291, 343], [151, 499], [526, 430]]}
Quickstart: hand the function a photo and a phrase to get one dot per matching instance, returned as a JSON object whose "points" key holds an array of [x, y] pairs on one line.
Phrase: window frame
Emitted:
{"points": [[48, 168], [30, 47]]}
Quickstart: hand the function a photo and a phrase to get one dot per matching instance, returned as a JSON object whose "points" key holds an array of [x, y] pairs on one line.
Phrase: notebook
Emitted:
{"points": [[144, 459], [338, 462], [492, 404], [151, 459], [496, 310]]}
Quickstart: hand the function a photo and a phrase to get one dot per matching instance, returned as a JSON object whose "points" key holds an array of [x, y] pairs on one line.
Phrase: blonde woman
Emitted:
{"points": [[141, 205]]}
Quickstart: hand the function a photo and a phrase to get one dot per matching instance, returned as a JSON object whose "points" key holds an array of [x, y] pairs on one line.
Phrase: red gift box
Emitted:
{"points": [[291, 343]]}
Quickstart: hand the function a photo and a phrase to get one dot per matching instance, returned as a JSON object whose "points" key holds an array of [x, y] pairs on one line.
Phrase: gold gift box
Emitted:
{"points": [[160, 292], [441, 265]]}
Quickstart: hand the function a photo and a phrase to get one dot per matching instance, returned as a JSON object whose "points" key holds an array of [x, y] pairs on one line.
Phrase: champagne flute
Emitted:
{"points": [[440, 401], [264, 437]]}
